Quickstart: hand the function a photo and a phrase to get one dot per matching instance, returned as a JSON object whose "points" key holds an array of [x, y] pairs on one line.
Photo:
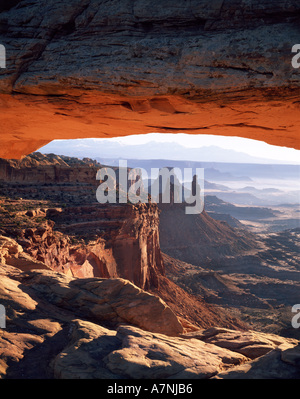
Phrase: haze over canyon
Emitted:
{"points": [[145, 291]]}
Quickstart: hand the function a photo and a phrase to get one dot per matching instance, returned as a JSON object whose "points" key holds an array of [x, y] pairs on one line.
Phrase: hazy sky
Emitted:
{"points": [[254, 148], [251, 147]]}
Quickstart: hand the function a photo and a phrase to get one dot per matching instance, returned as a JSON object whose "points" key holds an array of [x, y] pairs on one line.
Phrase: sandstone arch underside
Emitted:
{"points": [[87, 68]]}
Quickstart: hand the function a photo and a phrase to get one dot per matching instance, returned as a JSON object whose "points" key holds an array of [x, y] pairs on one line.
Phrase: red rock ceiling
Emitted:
{"points": [[112, 68], [31, 121]]}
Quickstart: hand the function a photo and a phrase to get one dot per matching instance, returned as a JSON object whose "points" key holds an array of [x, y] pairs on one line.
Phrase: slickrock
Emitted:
{"points": [[83, 357], [133, 353], [252, 344], [62, 327], [110, 301], [129, 352], [281, 363], [146, 355]]}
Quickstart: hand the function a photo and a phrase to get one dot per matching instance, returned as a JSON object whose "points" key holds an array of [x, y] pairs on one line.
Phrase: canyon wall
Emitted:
{"points": [[40, 169], [59, 226], [127, 241], [98, 241], [79, 236], [105, 69]]}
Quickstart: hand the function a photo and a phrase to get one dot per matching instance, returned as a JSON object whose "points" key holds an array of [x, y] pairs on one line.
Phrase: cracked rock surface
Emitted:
{"points": [[55, 328]]}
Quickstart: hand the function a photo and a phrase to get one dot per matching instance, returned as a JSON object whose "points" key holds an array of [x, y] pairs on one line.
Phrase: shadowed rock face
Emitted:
{"points": [[120, 240], [109, 328], [127, 246], [104, 69]]}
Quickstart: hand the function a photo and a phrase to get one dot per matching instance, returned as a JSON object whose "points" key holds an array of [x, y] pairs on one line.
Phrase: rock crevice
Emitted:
{"points": [[61, 327]]}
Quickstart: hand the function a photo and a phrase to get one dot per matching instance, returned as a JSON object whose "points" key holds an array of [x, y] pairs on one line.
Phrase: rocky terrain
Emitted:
{"points": [[259, 285], [108, 68], [87, 289], [216, 238], [102, 69], [79, 238], [63, 327]]}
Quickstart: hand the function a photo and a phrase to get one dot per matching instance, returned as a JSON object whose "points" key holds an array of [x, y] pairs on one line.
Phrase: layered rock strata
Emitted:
{"points": [[118, 241], [61, 327], [105, 69]]}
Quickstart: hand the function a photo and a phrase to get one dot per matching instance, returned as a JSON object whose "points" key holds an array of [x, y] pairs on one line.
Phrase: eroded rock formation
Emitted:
{"points": [[125, 244], [204, 237], [109, 328], [84, 240], [104, 69], [57, 224]]}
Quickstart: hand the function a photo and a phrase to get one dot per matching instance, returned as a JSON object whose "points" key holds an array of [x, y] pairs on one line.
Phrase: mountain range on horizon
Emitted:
{"points": [[95, 148]]}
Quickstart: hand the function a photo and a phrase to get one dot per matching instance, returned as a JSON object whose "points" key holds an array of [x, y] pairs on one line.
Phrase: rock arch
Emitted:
{"points": [[75, 70]]}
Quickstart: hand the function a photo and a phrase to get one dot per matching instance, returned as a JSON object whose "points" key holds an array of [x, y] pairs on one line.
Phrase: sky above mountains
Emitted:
{"points": [[202, 148]]}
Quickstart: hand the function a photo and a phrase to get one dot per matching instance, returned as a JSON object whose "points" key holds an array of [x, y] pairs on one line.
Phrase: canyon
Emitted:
{"points": [[97, 291], [127, 291], [75, 235]]}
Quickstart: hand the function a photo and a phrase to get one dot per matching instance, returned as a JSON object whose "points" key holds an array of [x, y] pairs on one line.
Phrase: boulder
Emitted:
{"points": [[281, 363], [156, 356], [252, 344], [108, 301], [61, 327]]}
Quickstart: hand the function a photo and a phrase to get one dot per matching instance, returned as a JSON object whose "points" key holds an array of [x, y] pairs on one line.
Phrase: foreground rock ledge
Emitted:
{"points": [[61, 327], [108, 301]]}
